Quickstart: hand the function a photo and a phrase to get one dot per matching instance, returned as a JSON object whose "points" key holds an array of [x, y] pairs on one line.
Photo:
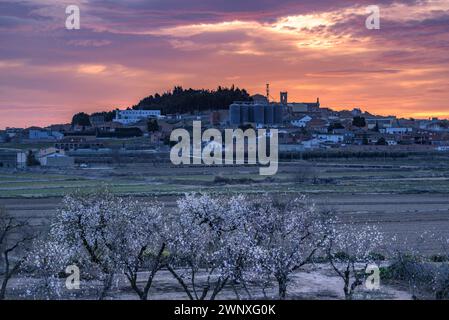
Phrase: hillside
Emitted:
{"points": [[190, 100]]}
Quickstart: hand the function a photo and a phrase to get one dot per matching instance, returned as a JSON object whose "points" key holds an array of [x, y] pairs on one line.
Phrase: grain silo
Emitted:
{"points": [[259, 113], [268, 114], [278, 114], [244, 113], [251, 113], [234, 113]]}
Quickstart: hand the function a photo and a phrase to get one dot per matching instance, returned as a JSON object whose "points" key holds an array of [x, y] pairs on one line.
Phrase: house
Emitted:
{"points": [[298, 108], [12, 159], [108, 126], [395, 130], [304, 107], [347, 134], [318, 125], [48, 151], [43, 134], [75, 143], [330, 137], [438, 138], [302, 122], [366, 137], [57, 160], [13, 132], [259, 98], [3, 137], [386, 122], [435, 125], [132, 116], [311, 143], [408, 123]]}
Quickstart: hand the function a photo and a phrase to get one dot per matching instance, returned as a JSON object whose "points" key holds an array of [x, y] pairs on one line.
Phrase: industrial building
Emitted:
{"points": [[57, 160], [263, 112], [44, 134], [258, 111], [260, 114], [12, 159], [132, 116]]}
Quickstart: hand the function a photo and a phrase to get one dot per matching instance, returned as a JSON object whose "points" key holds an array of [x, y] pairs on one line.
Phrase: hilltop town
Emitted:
{"points": [[143, 131]]}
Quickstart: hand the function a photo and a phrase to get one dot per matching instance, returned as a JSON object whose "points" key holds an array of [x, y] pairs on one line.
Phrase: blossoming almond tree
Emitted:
{"points": [[140, 241], [42, 269], [288, 232], [15, 238], [83, 225], [108, 235], [239, 238], [350, 250], [208, 248]]}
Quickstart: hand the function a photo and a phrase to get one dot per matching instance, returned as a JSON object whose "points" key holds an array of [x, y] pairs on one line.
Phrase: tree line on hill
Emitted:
{"points": [[178, 100], [190, 100]]}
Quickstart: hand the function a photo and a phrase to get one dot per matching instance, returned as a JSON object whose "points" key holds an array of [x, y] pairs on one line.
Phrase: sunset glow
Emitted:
{"points": [[126, 50]]}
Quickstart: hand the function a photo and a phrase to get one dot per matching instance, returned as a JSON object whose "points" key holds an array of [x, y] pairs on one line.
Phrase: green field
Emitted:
{"points": [[337, 176]]}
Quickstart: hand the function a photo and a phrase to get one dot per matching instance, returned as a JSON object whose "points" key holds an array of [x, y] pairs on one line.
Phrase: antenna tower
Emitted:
{"points": [[268, 92]]}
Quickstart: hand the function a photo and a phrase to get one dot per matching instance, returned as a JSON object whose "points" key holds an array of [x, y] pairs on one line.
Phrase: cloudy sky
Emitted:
{"points": [[126, 50]]}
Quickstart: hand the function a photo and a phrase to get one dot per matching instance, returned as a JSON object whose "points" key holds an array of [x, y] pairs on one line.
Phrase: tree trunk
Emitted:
{"points": [[346, 289], [3, 288], [220, 285], [107, 284], [282, 283], [180, 281], [7, 276], [348, 294]]}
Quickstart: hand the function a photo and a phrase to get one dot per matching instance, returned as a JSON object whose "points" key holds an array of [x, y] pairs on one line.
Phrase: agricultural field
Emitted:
{"points": [[402, 197], [339, 176]]}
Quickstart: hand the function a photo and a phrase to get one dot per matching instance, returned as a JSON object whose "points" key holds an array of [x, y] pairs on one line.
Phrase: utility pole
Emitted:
{"points": [[268, 92]]}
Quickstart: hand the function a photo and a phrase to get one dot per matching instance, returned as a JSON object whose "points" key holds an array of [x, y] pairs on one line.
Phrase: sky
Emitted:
{"points": [[126, 50]]}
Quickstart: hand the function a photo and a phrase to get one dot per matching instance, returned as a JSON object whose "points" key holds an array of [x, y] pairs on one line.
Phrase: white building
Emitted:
{"points": [[328, 137], [311, 144], [392, 142], [133, 116], [21, 160], [301, 123], [395, 130], [43, 134], [380, 122], [57, 160]]}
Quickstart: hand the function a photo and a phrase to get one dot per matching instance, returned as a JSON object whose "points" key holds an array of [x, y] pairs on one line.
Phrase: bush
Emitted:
{"points": [[376, 256], [438, 258]]}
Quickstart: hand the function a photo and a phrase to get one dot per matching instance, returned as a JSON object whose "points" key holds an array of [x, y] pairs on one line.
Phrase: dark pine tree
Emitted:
{"points": [[81, 119], [190, 100]]}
